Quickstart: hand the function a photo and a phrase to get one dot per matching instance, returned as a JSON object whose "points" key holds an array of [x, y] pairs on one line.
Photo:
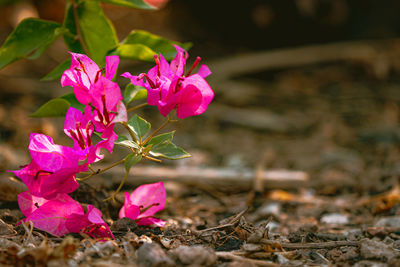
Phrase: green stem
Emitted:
{"points": [[169, 119], [119, 187], [78, 30], [101, 171], [151, 158], [136, 107]]}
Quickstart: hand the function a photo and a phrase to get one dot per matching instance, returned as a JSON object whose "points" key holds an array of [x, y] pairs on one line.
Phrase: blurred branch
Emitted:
{"points": [[365, 51], [223, 179]]}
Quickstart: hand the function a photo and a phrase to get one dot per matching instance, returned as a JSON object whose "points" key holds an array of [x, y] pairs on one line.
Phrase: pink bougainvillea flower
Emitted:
{"points": [[107, 104], [49, 215], [62, 215], [143, 203], [90, 223], [84, 72], [79, 127], [169, 88], [53, 168]]}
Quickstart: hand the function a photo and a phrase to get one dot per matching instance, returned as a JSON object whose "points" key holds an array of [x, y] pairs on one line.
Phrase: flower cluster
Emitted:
{"points": [[52, 173], [168, 87]]}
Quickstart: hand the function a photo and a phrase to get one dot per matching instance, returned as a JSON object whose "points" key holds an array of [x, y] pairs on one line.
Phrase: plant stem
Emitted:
{"points": [[101, 171], [119, 187], [169, 119], [136, 107], [153, 159], [91, 169], [78, 30]]}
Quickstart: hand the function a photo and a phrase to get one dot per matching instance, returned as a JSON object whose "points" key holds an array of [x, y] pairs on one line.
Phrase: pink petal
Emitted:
{"points": [[128, 209], [51, 216], [151, 221], [122, 114], [49, 156], [108, 89], [28, 203], [179, 62], [111, 66], [135, 80], [90, 223], [195, 96], [204, 71], [91, 68], [147, 195]]}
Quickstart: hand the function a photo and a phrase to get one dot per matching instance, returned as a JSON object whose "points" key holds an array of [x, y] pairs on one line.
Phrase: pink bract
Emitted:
{"points": [[90, 223], [62, 215], [84, 72], [79, 127], [169, 88], [53, 168], [143, 203], [107, 103], [49, 215]]}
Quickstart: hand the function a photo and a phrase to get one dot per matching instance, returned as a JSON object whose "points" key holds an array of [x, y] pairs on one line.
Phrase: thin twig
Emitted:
{"points": [[118, 189], [151, 158], [230, 255], [156, 131], [28, 232], [137, 107], [329, 244], [101, 171], [78, 30]]}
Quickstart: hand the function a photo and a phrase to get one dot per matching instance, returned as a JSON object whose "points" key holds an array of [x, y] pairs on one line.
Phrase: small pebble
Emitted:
{"points": [[335, 218]]}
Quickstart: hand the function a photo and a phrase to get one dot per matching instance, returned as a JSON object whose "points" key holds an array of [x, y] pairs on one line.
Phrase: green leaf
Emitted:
{"points": [[70, 36], [56, 73], [97, 31], [126, 142], [121, 138], [142, 45], [29, 40], [139, 126], [133, 92], [130, 3], [131, 160], [161, 140], [169, 151], [53, 108], [73, 101]]}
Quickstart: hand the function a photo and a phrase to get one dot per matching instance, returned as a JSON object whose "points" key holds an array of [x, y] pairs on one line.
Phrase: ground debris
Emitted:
{"points": [[377, 250], [152, 255]]}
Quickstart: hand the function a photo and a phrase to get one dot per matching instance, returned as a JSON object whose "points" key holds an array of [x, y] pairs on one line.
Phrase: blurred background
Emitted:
{"points": [[310, 85]]}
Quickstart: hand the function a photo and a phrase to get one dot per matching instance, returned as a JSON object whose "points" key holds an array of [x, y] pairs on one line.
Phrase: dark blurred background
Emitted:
{"points": [[336, 118]]}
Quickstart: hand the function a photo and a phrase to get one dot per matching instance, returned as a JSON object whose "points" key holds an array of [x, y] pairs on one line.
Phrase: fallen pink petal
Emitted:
{"points": [[143, 203]]}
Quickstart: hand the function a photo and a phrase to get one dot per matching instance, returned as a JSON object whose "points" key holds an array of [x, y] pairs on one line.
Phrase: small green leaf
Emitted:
{"points": [[120, 139], [142, 45], [128, 144], [169, 151], [53, 108], [133, 92], [130, 3], [135, 52], [56, 73], [131, 160], [161, 140], [29, 40], [73, 101], [139, 126], [96, 29]]}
